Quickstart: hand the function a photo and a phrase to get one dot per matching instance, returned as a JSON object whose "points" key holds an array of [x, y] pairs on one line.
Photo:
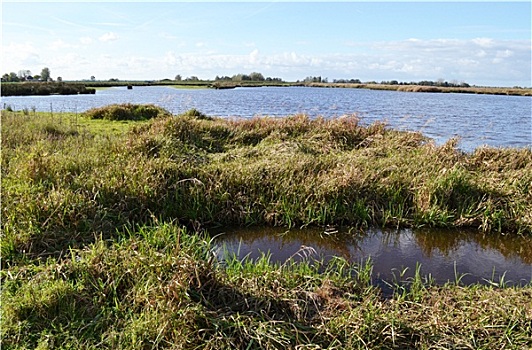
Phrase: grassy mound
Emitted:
{"points": [[62, 182], [126, 112]]}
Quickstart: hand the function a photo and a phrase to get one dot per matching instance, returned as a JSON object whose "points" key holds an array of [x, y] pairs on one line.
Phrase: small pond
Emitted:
{"points": [[444, 254]]}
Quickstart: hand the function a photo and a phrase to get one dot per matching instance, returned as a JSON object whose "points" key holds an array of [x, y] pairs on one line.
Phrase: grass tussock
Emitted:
{"points": [[100, 245], [126, 111]]}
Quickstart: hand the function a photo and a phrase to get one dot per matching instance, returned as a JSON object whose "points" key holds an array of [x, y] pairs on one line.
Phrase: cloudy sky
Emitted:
{"points": [[482, 43]]}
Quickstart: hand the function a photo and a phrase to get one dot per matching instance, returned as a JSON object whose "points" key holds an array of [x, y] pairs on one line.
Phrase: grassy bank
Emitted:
{"points": [[89, 87], [441, 89], [64, 177], [102, 245]]}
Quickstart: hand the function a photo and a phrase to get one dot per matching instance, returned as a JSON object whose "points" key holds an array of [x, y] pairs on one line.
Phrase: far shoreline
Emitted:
{"points": [[19, 88]]}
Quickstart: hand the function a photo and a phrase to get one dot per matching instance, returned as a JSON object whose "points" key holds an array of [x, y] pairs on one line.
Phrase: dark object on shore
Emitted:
{"points": [[130, 87], [41, 88]]}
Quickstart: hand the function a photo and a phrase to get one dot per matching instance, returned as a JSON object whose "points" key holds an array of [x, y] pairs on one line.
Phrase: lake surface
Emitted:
{"points": [[494, 120], [444, 254]]}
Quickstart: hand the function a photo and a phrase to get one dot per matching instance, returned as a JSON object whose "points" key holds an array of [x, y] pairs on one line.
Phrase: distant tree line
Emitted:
{"points": [[441, 82], [347, 81], [25, 75], [318, 79], [255, 76]]}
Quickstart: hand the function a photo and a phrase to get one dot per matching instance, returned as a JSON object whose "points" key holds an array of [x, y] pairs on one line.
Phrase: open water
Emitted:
{"points": [[494, 120]]}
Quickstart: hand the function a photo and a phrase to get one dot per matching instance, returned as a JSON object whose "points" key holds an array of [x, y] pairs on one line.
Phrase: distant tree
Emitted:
{"points": [[59, 79], [178, 77], [313, 79], [218, 78], [37, 77], [240, 77], [274, 79], [13, 77], [93, 78], [45, 74], [23, 74], [256, 76]]}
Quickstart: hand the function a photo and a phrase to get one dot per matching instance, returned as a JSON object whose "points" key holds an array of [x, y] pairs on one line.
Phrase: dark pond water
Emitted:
{"points": [[500, 121], [445, 255]]}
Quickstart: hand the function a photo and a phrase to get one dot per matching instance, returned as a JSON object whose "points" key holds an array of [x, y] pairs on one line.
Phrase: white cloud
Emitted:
{"points": [[483, 42], [254, 56], [167, 36], [60, 45], [86, 40], [504, 54], [20, 56], [109, 36], [477, 61], [472, 61], [481, 53]]}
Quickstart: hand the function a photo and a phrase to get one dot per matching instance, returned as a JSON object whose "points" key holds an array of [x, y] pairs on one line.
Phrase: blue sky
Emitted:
{"points": [[482, 43]]}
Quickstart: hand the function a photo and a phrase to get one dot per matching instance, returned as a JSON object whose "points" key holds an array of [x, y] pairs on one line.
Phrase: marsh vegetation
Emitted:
{"points": [[44, 88], [104, 220], [413, 87]]}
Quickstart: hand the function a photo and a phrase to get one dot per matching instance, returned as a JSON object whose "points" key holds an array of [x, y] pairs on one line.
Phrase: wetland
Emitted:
{"points": [[108, 216]]}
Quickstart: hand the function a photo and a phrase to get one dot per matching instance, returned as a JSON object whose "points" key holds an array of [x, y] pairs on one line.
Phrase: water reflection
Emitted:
{"points": [[444, 254]]}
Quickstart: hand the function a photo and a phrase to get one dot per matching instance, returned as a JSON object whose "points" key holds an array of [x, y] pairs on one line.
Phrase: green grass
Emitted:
{"points": [[161, 287], [65, 176], [102, 243]]}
